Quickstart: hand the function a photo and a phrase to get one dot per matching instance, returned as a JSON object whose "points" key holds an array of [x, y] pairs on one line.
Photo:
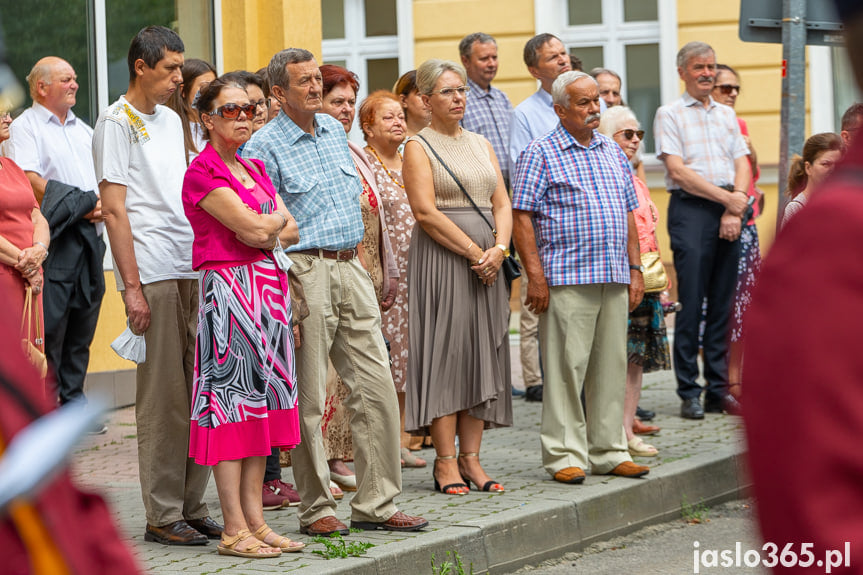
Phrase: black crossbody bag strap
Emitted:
{"points": [[458, 183]]}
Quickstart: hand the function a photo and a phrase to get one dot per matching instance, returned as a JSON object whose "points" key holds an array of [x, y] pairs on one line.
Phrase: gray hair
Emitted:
{"points": [[559, 95], [430, 70], [692, 50], [466, 44], [41, 72], [277, 71], [613, 118], [597, 71]]}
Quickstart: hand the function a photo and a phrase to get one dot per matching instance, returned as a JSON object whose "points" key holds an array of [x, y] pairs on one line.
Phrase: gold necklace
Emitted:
{"points": [[384, 166]]}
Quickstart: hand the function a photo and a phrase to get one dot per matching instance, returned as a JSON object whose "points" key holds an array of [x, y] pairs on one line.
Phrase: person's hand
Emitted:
{"points": [[95, 215], [760, 201], [36, 282], [298, 339], [137, 309], [30, 259], [729, 226], [391, 296], [537, 295], [735, 203], [636, 288], [488, 265]]}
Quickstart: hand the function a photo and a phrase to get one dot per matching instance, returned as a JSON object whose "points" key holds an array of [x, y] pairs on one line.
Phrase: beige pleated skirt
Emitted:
{"points": [[459, 332]]}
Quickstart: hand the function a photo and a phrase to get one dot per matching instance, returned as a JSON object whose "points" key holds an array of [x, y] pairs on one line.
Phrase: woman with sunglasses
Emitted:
{"points": [[726, 89], [458, 380], [244, 398], [647, 340]]}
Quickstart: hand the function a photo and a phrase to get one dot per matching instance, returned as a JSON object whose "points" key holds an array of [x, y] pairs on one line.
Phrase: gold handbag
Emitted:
{"points": [[33, 349], [655, 279]]}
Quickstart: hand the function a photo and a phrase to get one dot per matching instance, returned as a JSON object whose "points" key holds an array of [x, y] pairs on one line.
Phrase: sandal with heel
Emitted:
{"points": [[228, 546], [490, 486], [285, 544], [452, 488]]}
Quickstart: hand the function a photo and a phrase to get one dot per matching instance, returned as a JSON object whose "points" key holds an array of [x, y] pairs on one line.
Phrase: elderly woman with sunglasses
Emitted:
{"points": [[647, 342], [244, 399], [458, 380]]}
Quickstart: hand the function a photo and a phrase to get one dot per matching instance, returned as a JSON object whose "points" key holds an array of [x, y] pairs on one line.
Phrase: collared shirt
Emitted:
{"points": [[579, 197], [489, 113], [531, 119], [707, 139], [316, 178]]}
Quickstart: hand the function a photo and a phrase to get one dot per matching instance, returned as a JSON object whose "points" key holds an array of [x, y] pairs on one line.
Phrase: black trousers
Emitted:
{"points": [[273, 470], [706, 267], [70, 323]]}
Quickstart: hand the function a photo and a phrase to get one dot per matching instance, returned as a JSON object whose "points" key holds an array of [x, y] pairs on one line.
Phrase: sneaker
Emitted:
{"points": [[278, 494], [516, 392]]}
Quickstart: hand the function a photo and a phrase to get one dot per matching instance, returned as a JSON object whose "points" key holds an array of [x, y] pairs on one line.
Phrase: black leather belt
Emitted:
{"points": [[340, 255]]}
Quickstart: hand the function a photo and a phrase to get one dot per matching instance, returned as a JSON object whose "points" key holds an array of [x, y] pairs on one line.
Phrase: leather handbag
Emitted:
{"points": [[33, 348], [655, 278], [511, 268]]}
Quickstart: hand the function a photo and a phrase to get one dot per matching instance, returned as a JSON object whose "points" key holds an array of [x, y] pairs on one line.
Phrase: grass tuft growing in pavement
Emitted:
{"points": [[335, 547], [450, 568], [694, 513]]}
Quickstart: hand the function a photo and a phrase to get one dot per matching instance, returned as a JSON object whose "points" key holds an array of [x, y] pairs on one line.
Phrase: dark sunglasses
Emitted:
{"points": [[232, 111], [726, 89], [629, 133]]}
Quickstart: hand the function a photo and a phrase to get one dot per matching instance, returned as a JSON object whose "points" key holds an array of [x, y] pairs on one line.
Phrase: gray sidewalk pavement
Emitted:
{"points": [[534, 519]]}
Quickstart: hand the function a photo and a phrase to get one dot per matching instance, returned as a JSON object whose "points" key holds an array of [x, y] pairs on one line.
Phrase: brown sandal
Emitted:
{"points": [[228, 546], [285, 544]]}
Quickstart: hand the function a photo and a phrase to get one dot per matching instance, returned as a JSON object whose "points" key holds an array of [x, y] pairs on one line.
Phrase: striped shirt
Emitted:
{"points": [[707, 139], [489, 113], [316, 178], [579, 197]]}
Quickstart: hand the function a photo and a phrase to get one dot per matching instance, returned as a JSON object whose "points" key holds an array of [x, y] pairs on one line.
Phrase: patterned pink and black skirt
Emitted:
{"points": [[245, 396]]}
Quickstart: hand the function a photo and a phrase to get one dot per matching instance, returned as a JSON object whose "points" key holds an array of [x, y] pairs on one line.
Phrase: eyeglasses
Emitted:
{"points": [[629, 133], [232, 111], [262, 103], [726, 89], [450, 92]]}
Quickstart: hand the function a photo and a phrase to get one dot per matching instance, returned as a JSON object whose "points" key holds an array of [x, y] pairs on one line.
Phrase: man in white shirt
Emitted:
{"points": [[140, 163], [53, 147]]}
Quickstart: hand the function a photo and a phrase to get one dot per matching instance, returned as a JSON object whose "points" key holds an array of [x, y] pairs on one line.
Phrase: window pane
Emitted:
{"points": [[193, 22], [333, 18], [381, 18], [55, 28], [591, 57], [640, 10], [642, 86], [342, 63], [585, 12], [845, 90], [381, 74]]}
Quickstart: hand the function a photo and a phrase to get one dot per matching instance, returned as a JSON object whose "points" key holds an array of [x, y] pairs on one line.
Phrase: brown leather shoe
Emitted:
{"points": [[176, 533], [398, 522], [629, 469], [640, 428], [325, 526], [570, 475], [207, 526]]}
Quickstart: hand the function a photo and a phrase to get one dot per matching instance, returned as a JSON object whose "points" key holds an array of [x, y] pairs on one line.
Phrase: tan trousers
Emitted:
{"points": [[172, 484], [528, 328], [583, 342], [345, 325]]}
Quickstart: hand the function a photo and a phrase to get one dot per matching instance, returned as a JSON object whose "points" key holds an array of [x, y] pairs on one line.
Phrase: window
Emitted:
{"points": [[93, 36], [626, 36]]}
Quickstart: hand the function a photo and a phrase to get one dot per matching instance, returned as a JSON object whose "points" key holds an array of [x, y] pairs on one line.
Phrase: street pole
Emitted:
{"points": [[793, 117]]}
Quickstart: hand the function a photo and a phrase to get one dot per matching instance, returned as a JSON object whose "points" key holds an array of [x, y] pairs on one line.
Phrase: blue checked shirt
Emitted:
{"points": [[489, 114], [579, 197], [316, 178]]}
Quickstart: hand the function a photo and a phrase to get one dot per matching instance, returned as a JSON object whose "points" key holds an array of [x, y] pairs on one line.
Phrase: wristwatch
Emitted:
{"points": [[636, 268]]}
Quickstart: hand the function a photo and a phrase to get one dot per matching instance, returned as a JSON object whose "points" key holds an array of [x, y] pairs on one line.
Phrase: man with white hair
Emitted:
{"points": [[53, 147], [574, 228]]}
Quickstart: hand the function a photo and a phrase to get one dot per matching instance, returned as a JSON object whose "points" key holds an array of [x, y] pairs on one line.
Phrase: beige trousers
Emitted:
{"points": [[528, 328], [172, 484], [583, 342], [345, 325]]}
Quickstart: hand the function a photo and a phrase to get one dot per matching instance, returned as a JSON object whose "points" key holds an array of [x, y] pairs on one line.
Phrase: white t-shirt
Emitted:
{"points": [[145, 153]]}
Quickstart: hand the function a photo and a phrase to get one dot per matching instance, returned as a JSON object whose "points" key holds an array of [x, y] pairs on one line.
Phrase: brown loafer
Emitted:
{"points": [[398, 522], [325, 526], [629, 469], [176, 533], [639, 428], [207, 526], [570, 475]]}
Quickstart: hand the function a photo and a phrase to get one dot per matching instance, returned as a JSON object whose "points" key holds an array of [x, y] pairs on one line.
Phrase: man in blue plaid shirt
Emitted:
{"points": [[573, 198]]}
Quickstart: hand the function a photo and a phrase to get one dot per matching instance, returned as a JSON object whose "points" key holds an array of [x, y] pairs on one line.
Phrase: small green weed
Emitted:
{"points": [[696, 513], [450, 568], [335, 547]]}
